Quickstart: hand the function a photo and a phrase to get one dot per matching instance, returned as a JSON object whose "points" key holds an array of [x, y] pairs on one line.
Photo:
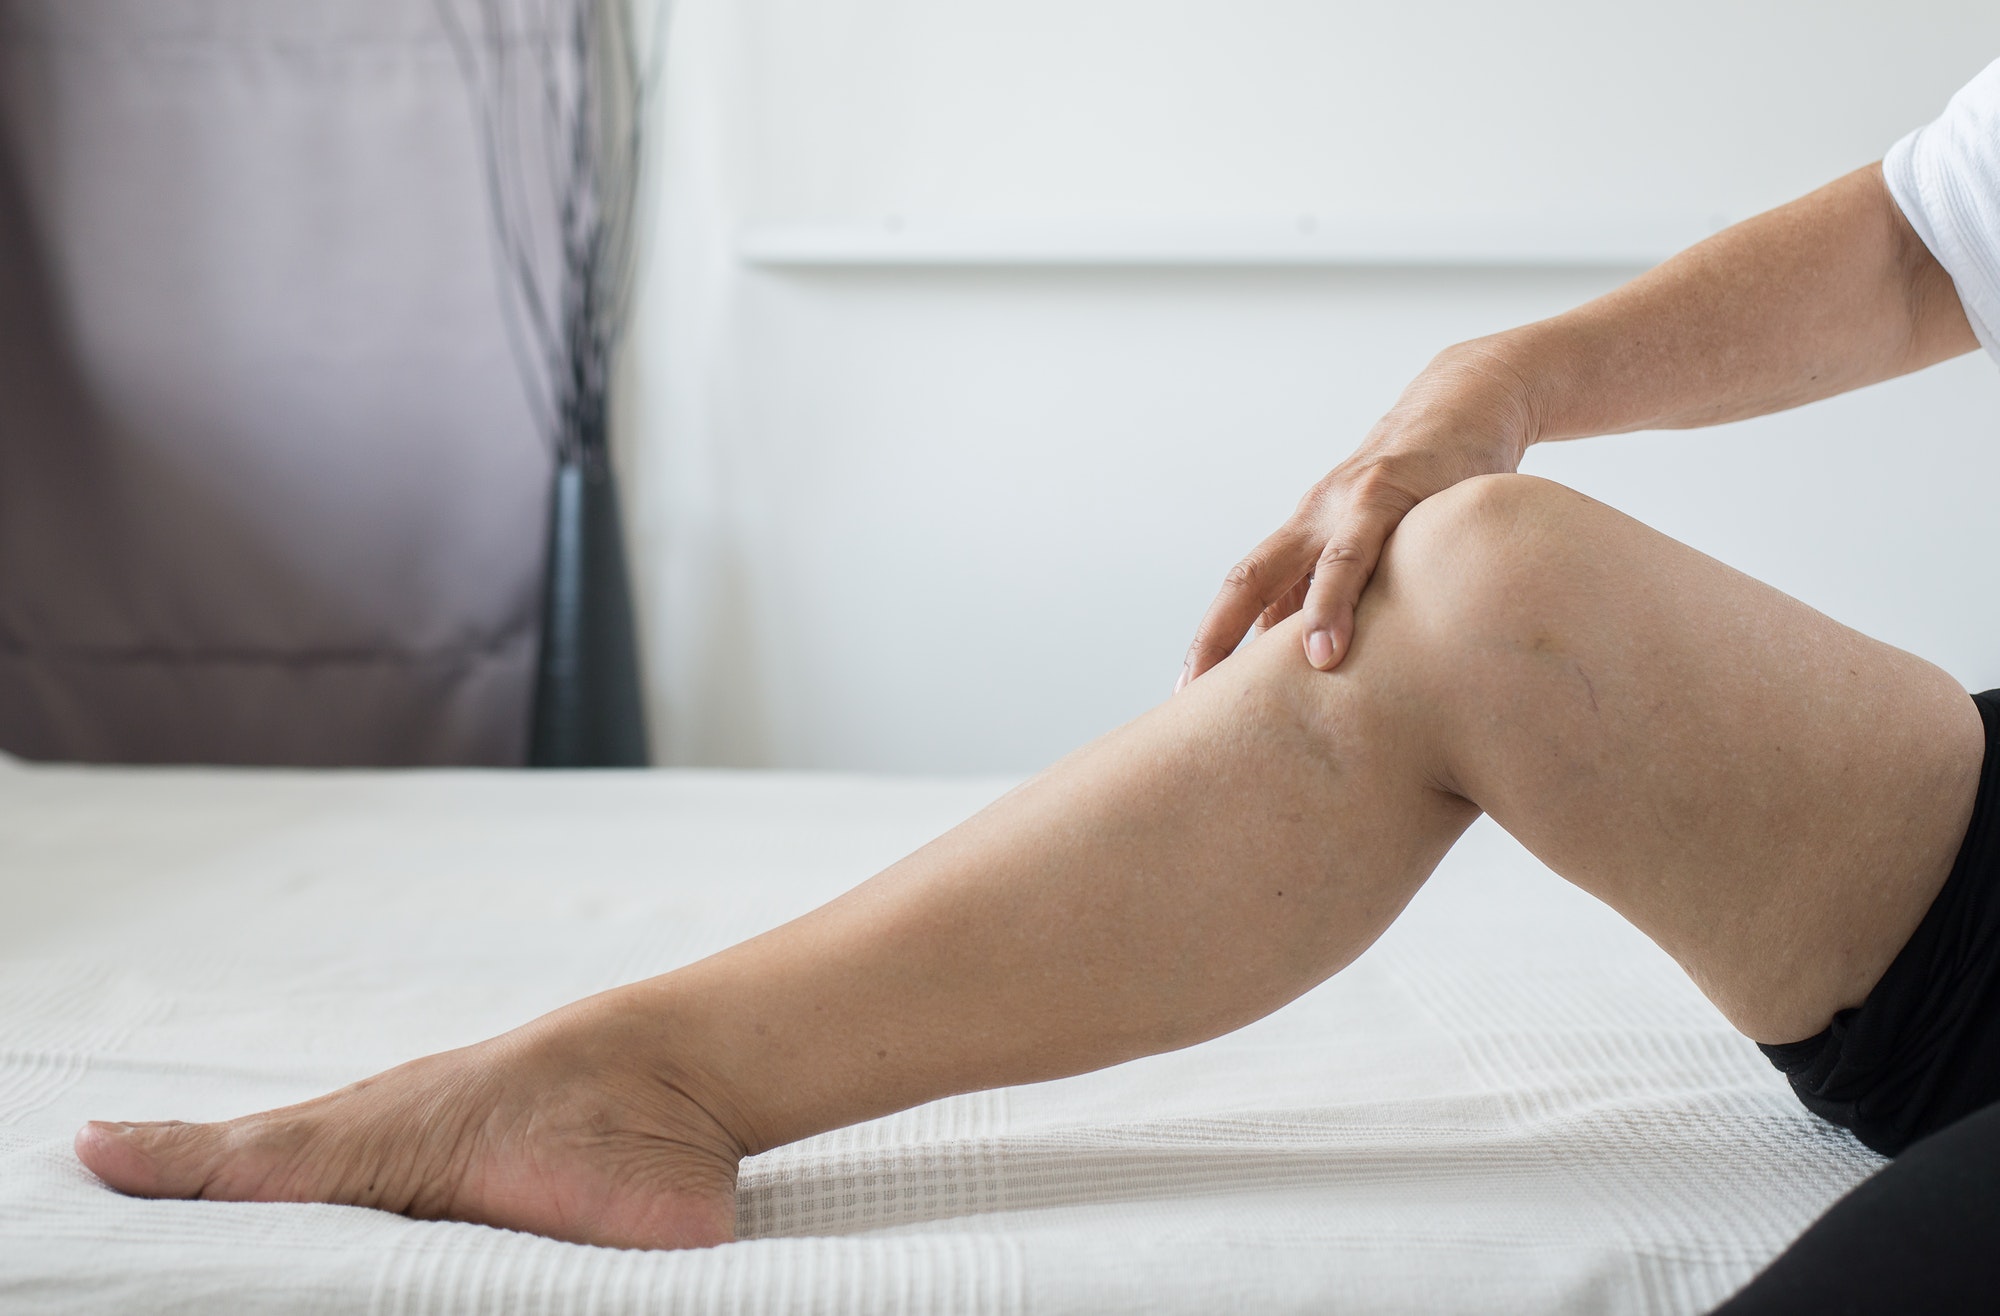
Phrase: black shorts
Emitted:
{"points": [[1924, 1049]]}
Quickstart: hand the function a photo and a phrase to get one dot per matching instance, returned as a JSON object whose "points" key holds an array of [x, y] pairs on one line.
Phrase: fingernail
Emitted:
{"points": [[1181, 684], [1319, 649], [110, 1126]]}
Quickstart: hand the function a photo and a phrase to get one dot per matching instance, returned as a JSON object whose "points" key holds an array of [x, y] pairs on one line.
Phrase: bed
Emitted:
{"points": [[1512, 1103]]}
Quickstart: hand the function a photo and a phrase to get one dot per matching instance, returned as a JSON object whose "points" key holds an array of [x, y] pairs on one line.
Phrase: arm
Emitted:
{"points": [[1826, 294]]}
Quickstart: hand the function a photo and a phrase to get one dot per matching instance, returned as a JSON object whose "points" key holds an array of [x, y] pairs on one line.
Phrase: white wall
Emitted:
{"points": [[938, 518]]}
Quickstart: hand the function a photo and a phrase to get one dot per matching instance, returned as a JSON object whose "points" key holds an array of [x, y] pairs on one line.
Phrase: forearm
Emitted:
{"points": [[1829, 293], [1826, 294]]}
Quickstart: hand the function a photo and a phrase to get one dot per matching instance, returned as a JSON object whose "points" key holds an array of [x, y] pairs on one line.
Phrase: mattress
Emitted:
{"points": [[1512, 1103]]}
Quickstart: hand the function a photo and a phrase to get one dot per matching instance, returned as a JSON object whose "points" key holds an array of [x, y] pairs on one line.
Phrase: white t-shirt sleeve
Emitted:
{"points": [[1946, 178]]}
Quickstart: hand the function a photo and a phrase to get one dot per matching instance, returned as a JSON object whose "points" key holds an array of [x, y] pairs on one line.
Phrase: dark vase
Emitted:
{"points": [[587, 711]]}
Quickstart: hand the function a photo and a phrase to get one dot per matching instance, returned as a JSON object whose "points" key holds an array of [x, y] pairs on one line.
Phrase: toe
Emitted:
{"points": [[151, 1160]]}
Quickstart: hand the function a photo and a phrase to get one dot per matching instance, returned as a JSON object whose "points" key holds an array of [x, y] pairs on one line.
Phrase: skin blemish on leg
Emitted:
{"points": [[881, 1055], [1589, 688]]}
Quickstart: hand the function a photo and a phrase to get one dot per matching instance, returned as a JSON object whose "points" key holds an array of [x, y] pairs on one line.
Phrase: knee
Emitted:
{"points": [[1488, 512], [1488, 549], [1482, 566]]}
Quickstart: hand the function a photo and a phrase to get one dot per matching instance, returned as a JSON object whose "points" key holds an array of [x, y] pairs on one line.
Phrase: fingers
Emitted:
{"points": [[1318, 564], [1288, 603], [151, 1160], [1253, 586], [1339, 576]]}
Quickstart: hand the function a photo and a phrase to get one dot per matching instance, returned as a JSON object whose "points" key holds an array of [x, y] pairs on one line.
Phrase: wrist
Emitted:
{"points": [[1494, 378]]}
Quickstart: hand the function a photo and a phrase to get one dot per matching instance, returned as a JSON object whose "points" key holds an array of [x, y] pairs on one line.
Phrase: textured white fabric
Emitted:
{"points": [[1513, 1103], [1946, 178]]}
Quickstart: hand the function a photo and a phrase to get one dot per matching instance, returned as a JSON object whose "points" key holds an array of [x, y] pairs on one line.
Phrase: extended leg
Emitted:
{"points": [[1773, 798]]}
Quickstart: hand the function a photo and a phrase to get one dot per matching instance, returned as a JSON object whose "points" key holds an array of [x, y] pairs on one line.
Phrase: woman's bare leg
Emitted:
{"points": [[1773, 798]]}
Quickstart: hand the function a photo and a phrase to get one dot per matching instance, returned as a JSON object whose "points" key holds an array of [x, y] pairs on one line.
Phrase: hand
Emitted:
{"points": [[1467, 414]]}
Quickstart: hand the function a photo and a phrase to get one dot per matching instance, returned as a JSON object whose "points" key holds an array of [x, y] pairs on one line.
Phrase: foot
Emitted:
{"points": [[555, 1129]]}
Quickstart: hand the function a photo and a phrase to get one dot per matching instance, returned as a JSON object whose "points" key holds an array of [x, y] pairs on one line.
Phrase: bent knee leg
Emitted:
{"points": [[1773, 797]]}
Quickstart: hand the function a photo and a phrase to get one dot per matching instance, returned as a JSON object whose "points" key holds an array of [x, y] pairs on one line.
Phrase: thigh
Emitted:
{"points": [[1919, 1236], [1773, 797]]}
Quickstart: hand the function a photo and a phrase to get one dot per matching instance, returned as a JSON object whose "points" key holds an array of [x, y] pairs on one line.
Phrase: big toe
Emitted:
{"points": [[151, 1160]]}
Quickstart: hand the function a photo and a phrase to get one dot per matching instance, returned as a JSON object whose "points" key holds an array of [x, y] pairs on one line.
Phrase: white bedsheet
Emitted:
{"points": [[1513, 1103]]}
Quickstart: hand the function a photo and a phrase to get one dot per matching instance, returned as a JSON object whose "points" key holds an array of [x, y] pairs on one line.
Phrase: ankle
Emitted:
{"points": [[640, 1043]]}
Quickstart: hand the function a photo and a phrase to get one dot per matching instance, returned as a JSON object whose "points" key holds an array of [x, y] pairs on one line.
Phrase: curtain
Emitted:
{"points": [[269, 492]]}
